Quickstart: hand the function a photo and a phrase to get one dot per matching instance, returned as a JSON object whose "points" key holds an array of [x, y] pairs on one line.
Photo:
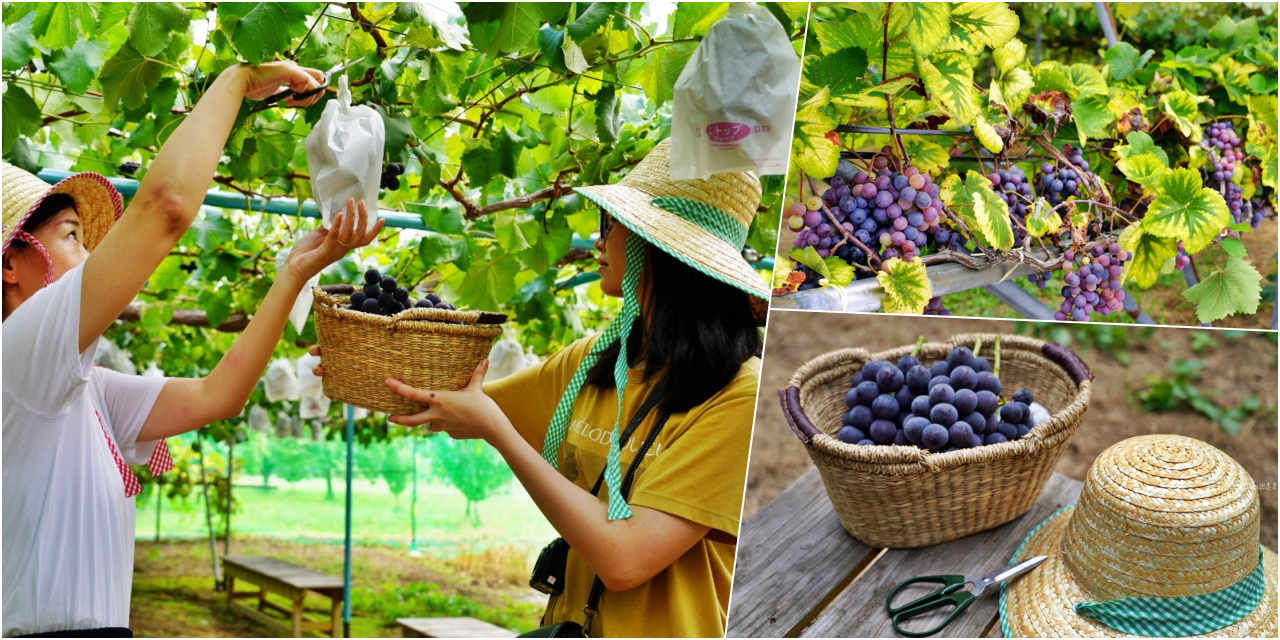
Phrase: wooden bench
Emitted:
{"points": [[799, 573], [451, 628], [288, 580]]}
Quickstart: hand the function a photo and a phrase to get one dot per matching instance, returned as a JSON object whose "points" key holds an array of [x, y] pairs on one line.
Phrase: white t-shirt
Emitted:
{"points": [[68, 529]]}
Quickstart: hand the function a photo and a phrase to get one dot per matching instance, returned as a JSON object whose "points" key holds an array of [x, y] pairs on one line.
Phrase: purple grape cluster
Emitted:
{"points": [[1059, 183], [952, 404], [1092, 283], [1262, 209], [1182, 259], [1040, 280], [1223, 143], [1015, 189], [935, 308]]}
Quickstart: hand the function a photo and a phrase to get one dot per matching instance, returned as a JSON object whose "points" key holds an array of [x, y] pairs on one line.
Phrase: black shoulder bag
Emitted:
{"points": [[549, 570]]}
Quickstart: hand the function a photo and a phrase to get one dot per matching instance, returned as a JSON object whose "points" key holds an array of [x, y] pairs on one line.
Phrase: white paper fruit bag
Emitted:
{"points": [[344, 156], [735, 101]]}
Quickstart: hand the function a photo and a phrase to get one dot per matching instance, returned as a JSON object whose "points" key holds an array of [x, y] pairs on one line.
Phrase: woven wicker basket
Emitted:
{"points": [[903, 497], [359, 351]]}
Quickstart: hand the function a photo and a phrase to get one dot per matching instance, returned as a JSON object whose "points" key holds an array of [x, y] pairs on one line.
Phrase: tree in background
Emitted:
{"points": [[471, 466]]}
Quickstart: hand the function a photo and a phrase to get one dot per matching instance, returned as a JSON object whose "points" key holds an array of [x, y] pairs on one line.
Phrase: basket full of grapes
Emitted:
{"points": [[377, 330], [928, 443]]}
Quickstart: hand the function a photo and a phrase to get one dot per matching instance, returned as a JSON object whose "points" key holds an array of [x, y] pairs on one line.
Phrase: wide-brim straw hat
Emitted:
{"points": [[1160, 516], [713, 245], [97, 202]]}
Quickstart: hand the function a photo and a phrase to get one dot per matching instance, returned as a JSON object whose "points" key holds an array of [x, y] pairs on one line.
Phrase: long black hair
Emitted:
{"points": [[698, 329]]}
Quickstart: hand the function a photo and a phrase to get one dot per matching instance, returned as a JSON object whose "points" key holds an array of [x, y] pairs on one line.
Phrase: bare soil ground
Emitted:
{"points": [[1242, 364]]}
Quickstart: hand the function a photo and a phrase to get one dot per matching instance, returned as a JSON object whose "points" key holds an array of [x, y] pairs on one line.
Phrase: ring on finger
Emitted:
{"points": [[343, 243]]}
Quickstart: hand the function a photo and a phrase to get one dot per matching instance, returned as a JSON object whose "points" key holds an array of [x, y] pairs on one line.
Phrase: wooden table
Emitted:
{"points": [[799, 573], [451, 628], [288, 580]]}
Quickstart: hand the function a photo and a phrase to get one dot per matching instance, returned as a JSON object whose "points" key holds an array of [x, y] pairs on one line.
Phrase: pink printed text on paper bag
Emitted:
{"points": [[727, 132]]}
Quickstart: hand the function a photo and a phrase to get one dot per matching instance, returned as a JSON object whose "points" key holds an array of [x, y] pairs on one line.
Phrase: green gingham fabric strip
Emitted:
{"points": [[1184, 616], [619, 329], [1163, 617], [719, 223]]}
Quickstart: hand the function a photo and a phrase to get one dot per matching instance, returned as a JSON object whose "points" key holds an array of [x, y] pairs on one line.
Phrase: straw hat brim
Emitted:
{"points": [[1041, 603], [680, 238], [97, 202]]}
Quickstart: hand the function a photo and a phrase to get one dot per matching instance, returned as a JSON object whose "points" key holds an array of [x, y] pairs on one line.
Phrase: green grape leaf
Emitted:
{"points": [[905, 284], [487, 286], [928, 26], [264, 29], [839, 70], [1182, 108], [1234, 77], [1012, 89], [216, 304], [809, 257], [1149, 255], [22, 156], [515, 232], [76, 67], [695, 18], [991, 23], [552, 101], [1086, 79], [608, 115], [1145, 169], [549, 42], [590, 21], [1052, 76], [1123, 60], [1009, 56], [811, 150], [1186, 210], [1043, 220], [151, 25], [495, 156], [1237, 288], [657, 72], [860, 30], [988, 213], [17, 43], [60, 23], [926, 155], [502, 27], [1140, 142], [1231, 35], [987, 135], [21, 115], [1233, 247], [1092, 116], [948, 76], [1261, 83]]}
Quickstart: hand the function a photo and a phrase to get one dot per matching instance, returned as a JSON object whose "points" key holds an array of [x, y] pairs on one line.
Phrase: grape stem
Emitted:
{"points": [[848, 235], [888, 99], [977, 346], [996, 368], [919, 345]]}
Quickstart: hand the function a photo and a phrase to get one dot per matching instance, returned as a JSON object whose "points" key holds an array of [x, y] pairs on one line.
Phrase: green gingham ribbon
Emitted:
{"points": [[719, 223], [618, 330], [1164, 617]]}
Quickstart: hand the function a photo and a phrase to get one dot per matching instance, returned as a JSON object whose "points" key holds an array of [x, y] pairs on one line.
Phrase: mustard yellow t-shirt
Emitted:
{"points": [[696, 469]]}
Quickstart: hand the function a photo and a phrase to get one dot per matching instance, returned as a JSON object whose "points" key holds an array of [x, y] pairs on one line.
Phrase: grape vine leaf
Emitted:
{"points": [[811, 151], [127, 77], [1149, 255], [489, 285], [59, 23], [502, 27], [1051, 75], [21, 115], [835, 271], [1234, 77], [928, 26], [263, 29], [948, 76], [1260, 83], [590, 21], [987, 135], [1092, 116], [549, 41], [152, 24], [1144, 169], [658, 71], [1012, 88], [1009, 56], [17, 43], [905, 284], [608, 115], [492, 157], [1235, 289], [926, 155], [1043, 219], [1182, 108], [1140, 142], [1186, 210], [1123, 60], [837, 71], [695, 18], [1086, 79], [989, 213], [77, 66], [991, 23], [1233, 247], [861, 30], [22, 156]]}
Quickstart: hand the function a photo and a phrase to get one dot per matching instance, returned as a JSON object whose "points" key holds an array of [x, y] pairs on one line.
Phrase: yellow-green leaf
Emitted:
{"points": [[1182, 108], [1149, 255], [1144, 169], [1234, 77], [1235, 289], [1052, 75], [989, 211], [928, 25], [1010, 55], [926, 155], [1092, 117], [1124, 61], [948, 76], [1186, 210], [1139, 143], [1012, 89], [1087, 79], [991, 23], [1043, 219], [987, 135], [811, 151], [905, 284]]}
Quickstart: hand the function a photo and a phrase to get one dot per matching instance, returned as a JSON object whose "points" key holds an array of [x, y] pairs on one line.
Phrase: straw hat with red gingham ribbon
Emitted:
{"points": [[97, 202]]}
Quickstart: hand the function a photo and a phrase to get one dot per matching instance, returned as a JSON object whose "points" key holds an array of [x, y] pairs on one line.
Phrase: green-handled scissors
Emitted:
{"points": [[303, 95], [951, 593]]}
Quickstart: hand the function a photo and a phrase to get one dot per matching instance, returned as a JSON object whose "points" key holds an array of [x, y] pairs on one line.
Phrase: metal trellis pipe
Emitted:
{"points": [[346, 537]]}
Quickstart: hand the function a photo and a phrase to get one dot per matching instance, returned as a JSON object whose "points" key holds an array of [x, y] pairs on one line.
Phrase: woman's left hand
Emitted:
{"points": [[323, 247], [464, 414]]}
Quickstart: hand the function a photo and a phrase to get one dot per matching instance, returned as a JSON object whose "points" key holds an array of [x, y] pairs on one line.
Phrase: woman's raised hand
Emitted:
{"points": [[322, 247], [264, 80], [463, 415]]}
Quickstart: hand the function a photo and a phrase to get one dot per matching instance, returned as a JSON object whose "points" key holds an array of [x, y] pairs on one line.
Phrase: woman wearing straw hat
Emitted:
{"points": [[72, 263], [1163, 543], [682, 359]]}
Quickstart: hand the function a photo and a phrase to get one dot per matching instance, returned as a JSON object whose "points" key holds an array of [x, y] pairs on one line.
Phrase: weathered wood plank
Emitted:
{"points": [[859, 612], [791, 555], [275, 624], [451, 628], [290, 574]]}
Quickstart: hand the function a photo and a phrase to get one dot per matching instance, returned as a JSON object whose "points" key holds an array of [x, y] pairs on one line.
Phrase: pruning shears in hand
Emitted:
{"points": [[303, 95]]}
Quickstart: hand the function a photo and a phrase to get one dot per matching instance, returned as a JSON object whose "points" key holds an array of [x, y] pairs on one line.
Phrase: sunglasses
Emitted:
{"points": [[606, 223]]}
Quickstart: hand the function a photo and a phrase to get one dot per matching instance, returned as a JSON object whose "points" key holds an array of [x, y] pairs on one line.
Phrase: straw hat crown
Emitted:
{"points": [[737, 194], [1162, 516], [97, 201]]}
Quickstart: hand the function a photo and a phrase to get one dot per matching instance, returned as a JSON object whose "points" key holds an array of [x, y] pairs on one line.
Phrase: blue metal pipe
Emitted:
{"points": [[346, 541]]}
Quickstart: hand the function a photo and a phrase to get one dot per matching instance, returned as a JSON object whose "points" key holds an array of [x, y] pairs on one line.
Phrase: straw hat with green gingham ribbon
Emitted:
{"points": [[702, 223], [1164, 542]]}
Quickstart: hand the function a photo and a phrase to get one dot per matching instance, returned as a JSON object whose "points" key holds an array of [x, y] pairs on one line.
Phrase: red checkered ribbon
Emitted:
{"points": [[159, 463], [31, 240]]}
